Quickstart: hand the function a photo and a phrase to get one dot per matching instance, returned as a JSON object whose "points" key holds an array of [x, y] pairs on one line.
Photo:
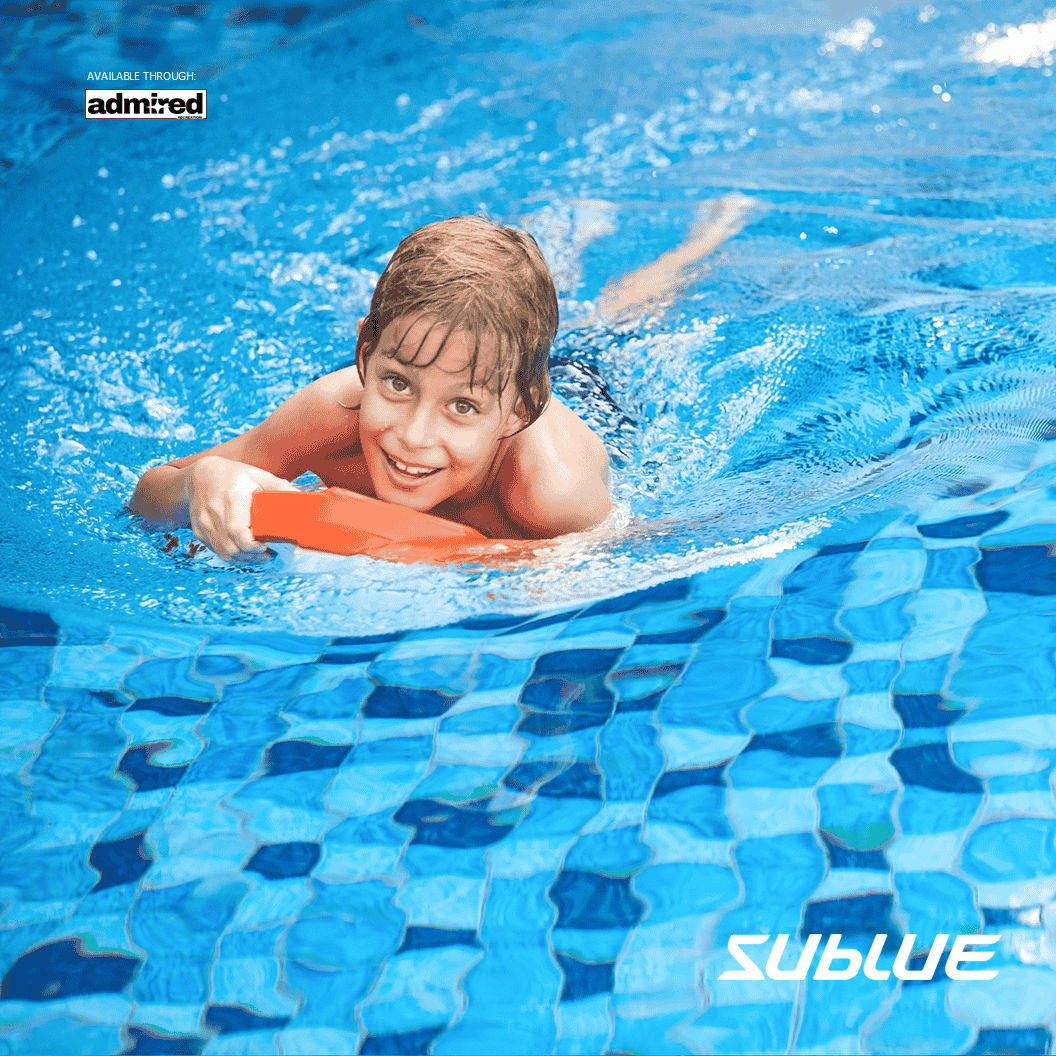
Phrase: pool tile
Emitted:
{"points": [[834, 1012], [270, 903], [756, 812], [887, 621], [918, 1022], [25, 722], [941, 621], [330, 997], [951, 569], [99, 666], [279, 649], [487, 750], [64, 970], [459, 782], [167, 1020], [585, 1023], [25, 911], [924, 675], [25, 669], [192, 840], [1029, 570], [442, 901], [840, 883], [593, 633], [702, 809], [506, 697], [765, 768], [872, 651], [616, 852], [936, 902], [595, 949], [497, 982], [246, 972], [726, 689], [1034, 732], [767, 579], [858, 816], [417, 991], [717, 585], [172, 677], [805, 681], [1020, 996], [243, 1043], [927, 810], [349, 680], [687, 747], [774, 713], [367, 788], [309, 1041], [674, 844], [444, 674], [740, 1028], [869, 710], [936, 851], [53, 1032], [1010, 849], [880, 575], [1029, 804], [675, 891], [514, 858], [526, 643], [158, 640], [49, 874], [578, 745], [1004, 893]]}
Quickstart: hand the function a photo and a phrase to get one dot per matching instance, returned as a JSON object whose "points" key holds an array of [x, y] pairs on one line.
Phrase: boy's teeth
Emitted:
{"points": [[417, 471]]}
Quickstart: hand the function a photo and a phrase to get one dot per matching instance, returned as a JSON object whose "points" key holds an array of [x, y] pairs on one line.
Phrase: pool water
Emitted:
{"points": [[803, 685]]}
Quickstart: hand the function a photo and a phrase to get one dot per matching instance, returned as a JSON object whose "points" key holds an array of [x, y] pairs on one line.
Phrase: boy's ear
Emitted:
{"points": [[518, 419]]}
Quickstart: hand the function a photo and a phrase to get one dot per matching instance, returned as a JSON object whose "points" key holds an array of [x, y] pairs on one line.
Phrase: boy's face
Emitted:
{"points": [[428, 436]]}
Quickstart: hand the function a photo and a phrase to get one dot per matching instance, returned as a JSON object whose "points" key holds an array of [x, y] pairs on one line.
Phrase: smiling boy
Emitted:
{"points": [[447, 409]]}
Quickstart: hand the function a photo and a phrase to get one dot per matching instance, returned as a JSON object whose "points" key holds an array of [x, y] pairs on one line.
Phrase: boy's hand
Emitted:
{"points": [[219, 494]]}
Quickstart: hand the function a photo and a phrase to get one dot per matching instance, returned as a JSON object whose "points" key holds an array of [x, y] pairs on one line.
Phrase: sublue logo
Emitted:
{"points": [[849, 961]]}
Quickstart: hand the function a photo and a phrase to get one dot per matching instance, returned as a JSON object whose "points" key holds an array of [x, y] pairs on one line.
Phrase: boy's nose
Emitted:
{"points": [[419, 429]]}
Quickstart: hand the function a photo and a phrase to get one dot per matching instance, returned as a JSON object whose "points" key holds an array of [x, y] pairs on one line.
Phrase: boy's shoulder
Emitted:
{"points": [[555, 476]]}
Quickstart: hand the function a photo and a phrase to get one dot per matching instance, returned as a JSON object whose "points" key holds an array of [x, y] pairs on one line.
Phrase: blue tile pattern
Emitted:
{"points": [[408, 843]]}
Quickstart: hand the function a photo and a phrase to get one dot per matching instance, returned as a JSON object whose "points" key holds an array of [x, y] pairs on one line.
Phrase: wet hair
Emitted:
{"points": [[469, 274]]}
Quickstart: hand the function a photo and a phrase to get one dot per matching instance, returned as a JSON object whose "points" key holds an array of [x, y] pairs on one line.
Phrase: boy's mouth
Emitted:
{"points": [[407, 470]]}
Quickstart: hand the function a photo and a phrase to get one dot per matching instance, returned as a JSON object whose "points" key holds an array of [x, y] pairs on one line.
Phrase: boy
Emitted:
{"points": [[447, 409]]}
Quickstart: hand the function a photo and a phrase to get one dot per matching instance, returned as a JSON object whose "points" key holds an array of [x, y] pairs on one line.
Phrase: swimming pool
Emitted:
{"points": [[805, 687]]}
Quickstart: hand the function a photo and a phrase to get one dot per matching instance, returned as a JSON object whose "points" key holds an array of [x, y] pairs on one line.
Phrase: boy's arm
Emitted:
{"points": [[558, 482], [657, 284], [212, 490]]}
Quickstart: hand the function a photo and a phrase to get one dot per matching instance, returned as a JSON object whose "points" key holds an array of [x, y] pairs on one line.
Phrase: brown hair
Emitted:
{"points": [[476, 276]]}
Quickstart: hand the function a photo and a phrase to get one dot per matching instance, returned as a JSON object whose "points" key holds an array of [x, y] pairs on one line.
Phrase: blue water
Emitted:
{"points": [[804, 685]]}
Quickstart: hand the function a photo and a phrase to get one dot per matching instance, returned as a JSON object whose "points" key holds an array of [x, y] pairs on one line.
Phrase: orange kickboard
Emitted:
{"points": [[343, 522]]}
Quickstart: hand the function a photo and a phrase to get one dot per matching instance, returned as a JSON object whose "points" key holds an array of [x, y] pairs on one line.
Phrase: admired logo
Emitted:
{"points": [[186, 103], [850, 960]]}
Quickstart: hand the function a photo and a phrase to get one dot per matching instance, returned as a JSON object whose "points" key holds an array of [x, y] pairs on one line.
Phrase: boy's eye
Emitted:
{"points": [[396, 383], [463, 407]]}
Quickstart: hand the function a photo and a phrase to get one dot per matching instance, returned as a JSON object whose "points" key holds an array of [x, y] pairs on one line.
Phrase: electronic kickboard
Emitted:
{"points": [[338, 521]]}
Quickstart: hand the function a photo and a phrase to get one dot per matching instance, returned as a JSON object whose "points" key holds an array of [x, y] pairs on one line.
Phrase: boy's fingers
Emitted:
{"points": [[243, 540]]}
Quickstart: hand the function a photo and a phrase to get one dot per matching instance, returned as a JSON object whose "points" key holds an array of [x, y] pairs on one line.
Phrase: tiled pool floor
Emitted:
{"points": [[535, 834]]}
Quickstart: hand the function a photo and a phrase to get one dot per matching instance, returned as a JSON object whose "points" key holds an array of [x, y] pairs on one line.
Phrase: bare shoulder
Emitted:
{"points": [[555, 478], [318, 418]]}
